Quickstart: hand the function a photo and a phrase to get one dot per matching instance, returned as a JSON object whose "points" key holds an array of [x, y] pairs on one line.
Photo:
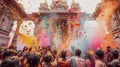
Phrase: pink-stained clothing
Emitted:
{"points": [[64, 63], [80, 62], [89, 63], [99, 63]]}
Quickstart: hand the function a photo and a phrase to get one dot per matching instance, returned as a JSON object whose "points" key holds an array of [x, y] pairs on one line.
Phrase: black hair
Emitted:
{"points": [[115, 54], [88, 56], [99, 53], [6, 63], [10, 62], [15, 61], [33, 59], [6, 53], [108, 49], [63, 54], [77, 52], [47, 58]]}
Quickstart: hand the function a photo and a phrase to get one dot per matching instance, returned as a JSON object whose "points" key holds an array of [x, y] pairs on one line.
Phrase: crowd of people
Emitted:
{"points": [[46, 57]]}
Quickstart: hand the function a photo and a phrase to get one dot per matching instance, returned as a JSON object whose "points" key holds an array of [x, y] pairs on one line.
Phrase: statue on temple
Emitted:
{"points": [[2, 12], [60, 6], [75, 7], [44, 7]]}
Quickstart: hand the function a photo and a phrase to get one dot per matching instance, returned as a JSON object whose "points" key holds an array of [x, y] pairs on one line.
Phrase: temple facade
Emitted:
{"points": [[10, 11], [61, 14]]}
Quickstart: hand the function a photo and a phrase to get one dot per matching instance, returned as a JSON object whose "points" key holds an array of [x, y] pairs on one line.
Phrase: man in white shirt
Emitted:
{"points": [[78, 61]]}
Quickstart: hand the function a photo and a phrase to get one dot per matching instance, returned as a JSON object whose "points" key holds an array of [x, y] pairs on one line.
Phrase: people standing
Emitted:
{"points": [[99, 58], [77, 61], [115, 61]]}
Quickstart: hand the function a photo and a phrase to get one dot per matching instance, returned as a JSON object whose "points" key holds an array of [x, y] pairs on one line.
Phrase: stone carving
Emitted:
{"points": [[75, 7], [59, 6], [44, 7]]}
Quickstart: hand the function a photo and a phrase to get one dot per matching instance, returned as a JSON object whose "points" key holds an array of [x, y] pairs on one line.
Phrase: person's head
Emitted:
{"points": [[115, 54], [63, 54], [108, 49], [77, 52], [6, 53], [47, 58], [88, 56], [10, 62], [15, 60], [33, 59], [99, 54]]}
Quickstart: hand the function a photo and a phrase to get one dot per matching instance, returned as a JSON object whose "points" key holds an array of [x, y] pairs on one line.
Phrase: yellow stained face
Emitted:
{"points": [[27, 28]]}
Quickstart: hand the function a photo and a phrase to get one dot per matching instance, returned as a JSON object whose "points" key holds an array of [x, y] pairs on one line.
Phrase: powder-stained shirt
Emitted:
{"points": [[114, 63], [64, 63], [99, 63], [89, 63], [80, 62]]}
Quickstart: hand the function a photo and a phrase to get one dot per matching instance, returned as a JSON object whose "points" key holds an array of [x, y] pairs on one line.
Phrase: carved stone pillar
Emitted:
{"points": [[18, 26], [14, 43]]}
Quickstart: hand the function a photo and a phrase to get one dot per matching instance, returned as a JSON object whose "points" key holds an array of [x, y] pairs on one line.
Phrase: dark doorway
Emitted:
{"points": [[62, 24]]}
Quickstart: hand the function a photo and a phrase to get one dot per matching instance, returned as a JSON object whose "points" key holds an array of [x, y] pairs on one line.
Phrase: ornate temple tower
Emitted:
{"points": [[75, 6], [62, 16], [59, 6], [44, 7]]}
